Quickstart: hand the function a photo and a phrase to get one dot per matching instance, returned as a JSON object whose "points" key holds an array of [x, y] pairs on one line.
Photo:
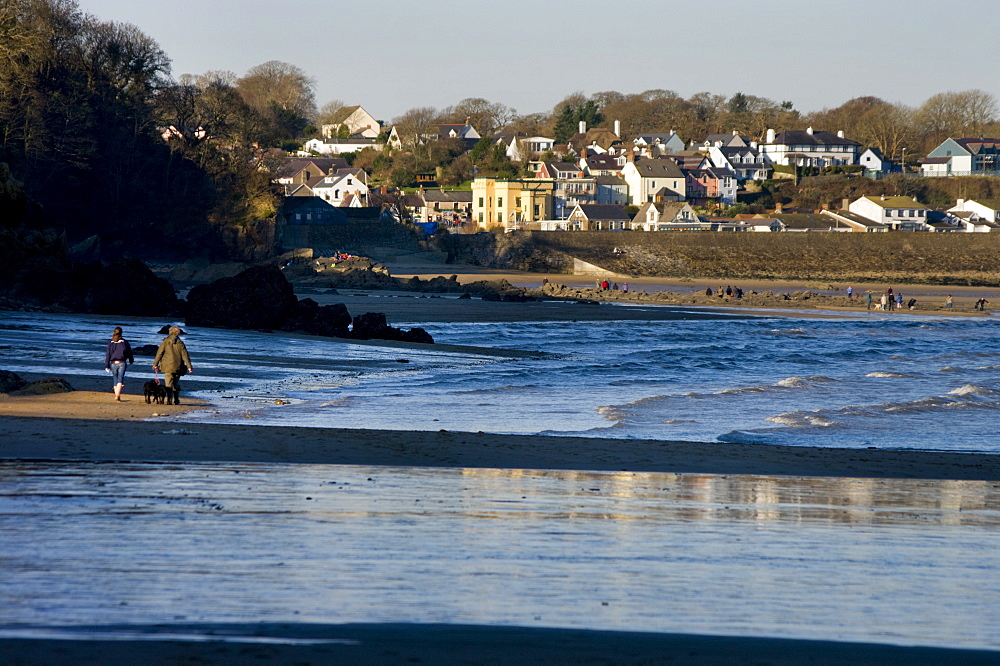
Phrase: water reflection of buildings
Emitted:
{"points": [[640, 496]]}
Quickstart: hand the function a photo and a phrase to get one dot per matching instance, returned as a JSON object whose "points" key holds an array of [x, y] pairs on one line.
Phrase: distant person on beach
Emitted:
{"points": [[899, 301], [868, 299], [981, 304], [911, 303], [117, 358], [850, 293], [884, 304], [949, 302], [625, 287], [173, 361], [708, 291]]}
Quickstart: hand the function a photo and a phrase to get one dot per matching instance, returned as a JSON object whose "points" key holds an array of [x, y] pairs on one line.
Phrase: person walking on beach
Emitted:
{"points": [[850, 293], [868, 299], [892, 301], [899, 301], [884, 304], [949, 302], [173, 361], [117, 358]]}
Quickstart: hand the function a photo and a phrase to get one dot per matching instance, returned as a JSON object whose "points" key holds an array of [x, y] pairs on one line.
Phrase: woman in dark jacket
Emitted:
{"points": [[117, 358]]}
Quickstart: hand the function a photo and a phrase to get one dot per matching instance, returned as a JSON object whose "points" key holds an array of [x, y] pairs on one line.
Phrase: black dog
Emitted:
{"points": [[154, 392]]}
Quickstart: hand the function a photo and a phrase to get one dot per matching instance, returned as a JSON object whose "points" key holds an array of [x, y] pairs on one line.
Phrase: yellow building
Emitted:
{"points": [[511, 203]]}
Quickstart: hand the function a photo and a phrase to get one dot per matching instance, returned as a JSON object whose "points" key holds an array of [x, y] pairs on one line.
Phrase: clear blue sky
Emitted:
{"points": [[392, 55]]}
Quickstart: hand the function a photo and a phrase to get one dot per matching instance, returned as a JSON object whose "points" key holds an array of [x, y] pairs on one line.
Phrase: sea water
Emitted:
{"points": [[883, 380], [882, 560]]}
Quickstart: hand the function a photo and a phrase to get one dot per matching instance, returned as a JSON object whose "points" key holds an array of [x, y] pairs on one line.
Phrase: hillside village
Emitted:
{"points": [[601, 180]]}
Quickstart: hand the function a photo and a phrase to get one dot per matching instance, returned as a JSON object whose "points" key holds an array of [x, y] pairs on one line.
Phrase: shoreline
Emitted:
{"points": [[77, 428]]}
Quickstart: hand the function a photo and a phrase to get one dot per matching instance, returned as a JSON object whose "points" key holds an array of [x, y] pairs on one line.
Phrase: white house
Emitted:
{"points": [[668, 216], [340, 146], [746, 162], [897, 213], [520, 147], [657, 145], [650, 180], [977, 216], [809, 148], [342, 186], [356, 120], [874, 161], [963, 157]]}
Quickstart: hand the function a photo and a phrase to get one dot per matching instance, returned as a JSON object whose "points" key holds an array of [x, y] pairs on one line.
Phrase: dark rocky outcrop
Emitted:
{"points": [[45, 387], [145, 350], [258, 298], [315, 319], [10, 381], [372, 325]]}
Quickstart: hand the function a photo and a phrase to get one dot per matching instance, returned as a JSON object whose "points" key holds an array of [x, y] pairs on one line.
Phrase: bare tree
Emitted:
{"points": [[281, 84]]}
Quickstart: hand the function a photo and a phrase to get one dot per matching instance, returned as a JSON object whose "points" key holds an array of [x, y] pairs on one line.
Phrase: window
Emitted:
{"points": [[517, 202], [480, 204], [480, 216], [499, 202]]}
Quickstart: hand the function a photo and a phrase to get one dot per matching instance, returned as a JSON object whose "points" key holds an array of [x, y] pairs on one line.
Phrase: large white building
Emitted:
{"points": [[809, 148]]}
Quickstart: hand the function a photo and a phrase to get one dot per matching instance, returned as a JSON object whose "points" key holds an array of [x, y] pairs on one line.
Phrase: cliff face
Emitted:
{"points": [[930, 258]]}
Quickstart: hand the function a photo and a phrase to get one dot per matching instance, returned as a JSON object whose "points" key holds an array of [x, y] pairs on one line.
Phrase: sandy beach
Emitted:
{"points": [[87, 425]]}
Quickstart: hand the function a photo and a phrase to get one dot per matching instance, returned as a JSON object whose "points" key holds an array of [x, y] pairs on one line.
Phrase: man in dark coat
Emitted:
{"points": [[173, 361]]}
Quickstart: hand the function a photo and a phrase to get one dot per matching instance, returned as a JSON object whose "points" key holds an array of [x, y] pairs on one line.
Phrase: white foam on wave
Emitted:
{"points": [[973, 390], [678, 421], [892, 375], [802, 420], [787, 383]]}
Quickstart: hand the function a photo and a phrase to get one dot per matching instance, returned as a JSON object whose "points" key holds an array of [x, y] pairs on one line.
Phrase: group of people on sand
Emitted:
{"points": [[604, 285], [728, 291], [171, 359]]}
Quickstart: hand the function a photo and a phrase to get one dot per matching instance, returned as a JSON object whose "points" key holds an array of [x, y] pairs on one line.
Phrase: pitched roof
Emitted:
{"points": [[343, 113], [451, 196], [820, 138], [610, 180], [294, 165], [604, 211], [660, 167], [896, 202], [980, 145]]}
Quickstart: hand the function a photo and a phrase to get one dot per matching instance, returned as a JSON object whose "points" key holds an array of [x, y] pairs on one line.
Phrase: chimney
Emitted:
{"points": [[672, 132], [618, 128], [840, 134], [583, 153], [583, 127], [826, 206], [778, 207], [734, 132], [753, 144], [770, 136], [384, 190], [845, 204], [718, 144], [959, 204], [809, 131]]}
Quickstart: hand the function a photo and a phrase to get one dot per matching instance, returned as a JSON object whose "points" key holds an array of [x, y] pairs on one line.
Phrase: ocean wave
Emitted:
{"points": [[980, 391], [787, 383], [346, 401], [949, 368], [745, 437], [788, 331], [894, 375], [678, 421], [802, 419], [496, 389]]}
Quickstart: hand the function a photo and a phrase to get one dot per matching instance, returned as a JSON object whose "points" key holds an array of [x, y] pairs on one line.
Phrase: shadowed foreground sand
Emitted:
{"points": [[449, 644]]}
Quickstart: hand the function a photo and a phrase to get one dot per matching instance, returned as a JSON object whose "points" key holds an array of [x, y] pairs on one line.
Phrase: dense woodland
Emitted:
{"points": [[98, 137]]}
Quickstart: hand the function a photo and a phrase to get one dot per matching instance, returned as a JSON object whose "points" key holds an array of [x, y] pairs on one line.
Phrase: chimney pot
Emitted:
{"points": [[583, 127], [845, 204], [809, 131], [618, 128], [840, 134]]}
